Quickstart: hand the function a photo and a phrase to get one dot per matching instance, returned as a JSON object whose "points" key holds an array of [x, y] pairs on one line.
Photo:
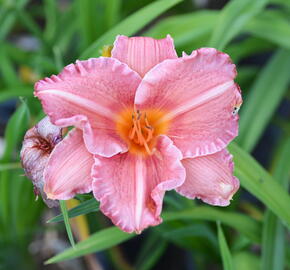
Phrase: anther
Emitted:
{"points": [[138, 129]]}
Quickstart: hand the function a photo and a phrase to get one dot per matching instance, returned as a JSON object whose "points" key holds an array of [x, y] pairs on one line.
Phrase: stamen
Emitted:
{"points": [[147, 149], [139, 132], [138, 115], [139, 128], [150, 135], [132, 134], [146, 120]]}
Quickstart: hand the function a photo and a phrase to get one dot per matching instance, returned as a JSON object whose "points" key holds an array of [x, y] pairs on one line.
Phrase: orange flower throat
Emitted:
{"points": [[141, 128]]}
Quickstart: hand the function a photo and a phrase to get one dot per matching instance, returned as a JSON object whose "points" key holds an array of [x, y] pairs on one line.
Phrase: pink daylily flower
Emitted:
{"points": [[151, 121]]}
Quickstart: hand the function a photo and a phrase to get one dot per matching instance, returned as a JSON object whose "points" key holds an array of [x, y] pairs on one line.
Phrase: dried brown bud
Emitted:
{"points": [[38, 143]]}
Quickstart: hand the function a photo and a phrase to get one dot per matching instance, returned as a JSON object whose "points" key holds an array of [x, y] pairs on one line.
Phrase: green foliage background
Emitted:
{"points": [[250, 234]]}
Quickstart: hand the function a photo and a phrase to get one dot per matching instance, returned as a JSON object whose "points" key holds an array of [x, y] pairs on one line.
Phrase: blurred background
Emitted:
{"points": [[38, 38]]}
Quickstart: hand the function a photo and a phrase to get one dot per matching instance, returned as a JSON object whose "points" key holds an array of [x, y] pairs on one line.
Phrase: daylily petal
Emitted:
{"points": [[143, 53], [37, 145], [210, 178], [68, 170], [88, 95], [131, 187], [201, 99]]}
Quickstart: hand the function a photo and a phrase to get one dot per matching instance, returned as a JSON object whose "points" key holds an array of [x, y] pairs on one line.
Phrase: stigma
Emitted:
{"points": [[140, 129]]}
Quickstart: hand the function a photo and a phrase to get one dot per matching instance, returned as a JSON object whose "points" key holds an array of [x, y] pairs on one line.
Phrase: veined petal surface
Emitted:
{"points": [[130, 187], [143, 53], [210, 178], [68, 171], [201, 99], [88, 95]]}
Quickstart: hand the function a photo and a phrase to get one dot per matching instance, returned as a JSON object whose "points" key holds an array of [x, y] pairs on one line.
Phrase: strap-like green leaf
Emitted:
{"points": [[261, 184], [263, 99], [24, 91], [240, 222], [273, 244], [7, 20], [263, 26], [13, 134], [96, 242], [109, 237], [152, 249], [224, 250], [83, 208], [10, 166], [186, 27], [66, 222], [14, 130], [52, 16], [231, 20], [182, 233], [90, 20], [130, 25], [246, 260]]}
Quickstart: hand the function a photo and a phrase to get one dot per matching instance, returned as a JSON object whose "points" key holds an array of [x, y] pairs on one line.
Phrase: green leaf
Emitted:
{"points": [[109, 237], [240, 222], [232, 19], [24, 91], [173, 201], [10, 166], [246, 261], [66, 222], [271, 25], [185, 28], [183, 234], [51, 19], [273, 243], [206, 213], [15, 128], [263, 99], [98, 241], [130, 25], [261, 184], [152, 249], [89, 18], [224, 250], [66, 29], [284, 3], [84, 208], [274, 235], [246, 48], [7, 21], [246, 75], [58, 58], [112, 12], [28, 21], [17, 123], [7, 69]]}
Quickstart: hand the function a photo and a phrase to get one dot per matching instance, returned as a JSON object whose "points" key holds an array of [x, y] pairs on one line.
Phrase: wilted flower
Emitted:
{"points": [[153, 122], [38, 144]]}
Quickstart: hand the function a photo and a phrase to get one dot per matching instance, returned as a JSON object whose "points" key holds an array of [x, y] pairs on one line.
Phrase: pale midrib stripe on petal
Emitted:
{"points": [[140, 190], [201, 99], [81, 102]]}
